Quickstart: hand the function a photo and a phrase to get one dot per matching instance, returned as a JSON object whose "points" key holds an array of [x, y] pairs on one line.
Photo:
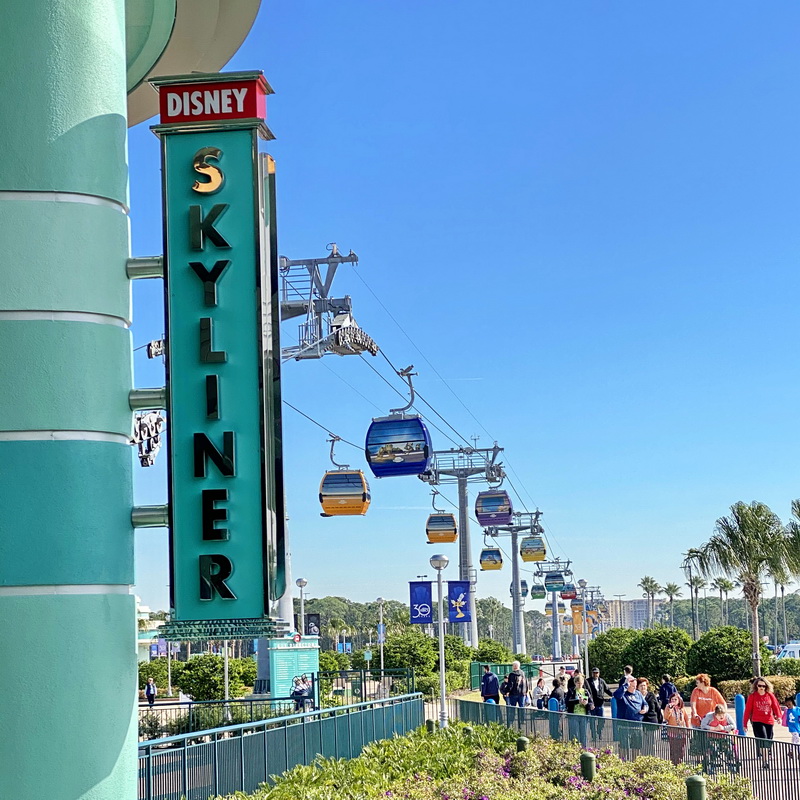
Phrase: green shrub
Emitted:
{"points": [[410, 649], [202, 678], [247, 669], [685, 686], [157, 670], [788, 666], [784, 686], [491, 652], [330, 661], [448, 764], [723, 653], [455, 652], [606, 652], [656, 651]]}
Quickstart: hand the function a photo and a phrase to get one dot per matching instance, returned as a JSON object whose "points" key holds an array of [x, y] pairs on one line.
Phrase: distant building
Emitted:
{"points": [[631, 613]]}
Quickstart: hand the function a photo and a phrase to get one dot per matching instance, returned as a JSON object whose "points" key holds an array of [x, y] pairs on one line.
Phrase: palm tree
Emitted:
{"points": [[672, 590], [726, 587], [650, 588], [695, 584], [750, 545], [717, 588], [334, 629]]}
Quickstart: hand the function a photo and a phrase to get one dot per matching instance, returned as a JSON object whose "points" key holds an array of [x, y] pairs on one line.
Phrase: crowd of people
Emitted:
{"points": [[636, 701]]}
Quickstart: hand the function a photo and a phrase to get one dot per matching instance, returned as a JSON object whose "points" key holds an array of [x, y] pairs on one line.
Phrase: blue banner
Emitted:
{"points": [[421, 602], [381, 633], [458, 601]]}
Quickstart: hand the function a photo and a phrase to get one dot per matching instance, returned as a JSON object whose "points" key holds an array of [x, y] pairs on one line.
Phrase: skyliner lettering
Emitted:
{"points": [[214, 569]]}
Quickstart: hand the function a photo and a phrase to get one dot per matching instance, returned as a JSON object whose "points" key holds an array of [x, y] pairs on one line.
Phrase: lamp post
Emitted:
{"points": [[381, 630], [584, 631], [301, 584], [440, 562]]}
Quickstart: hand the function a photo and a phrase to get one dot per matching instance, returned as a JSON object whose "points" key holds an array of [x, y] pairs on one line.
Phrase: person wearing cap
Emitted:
{"points": [[598, 691]]}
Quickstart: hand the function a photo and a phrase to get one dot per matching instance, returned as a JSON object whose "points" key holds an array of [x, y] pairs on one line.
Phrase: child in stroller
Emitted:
{"points": [[720, 754]]}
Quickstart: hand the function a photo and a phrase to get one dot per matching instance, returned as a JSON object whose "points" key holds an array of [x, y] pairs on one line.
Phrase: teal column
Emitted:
{"points": [[67, 618]]}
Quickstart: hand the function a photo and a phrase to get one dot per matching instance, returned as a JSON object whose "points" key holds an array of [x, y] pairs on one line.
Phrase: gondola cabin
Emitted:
{"points": [[493, 507], [344, 492], [554, 581], [523, 589], [398, 445], [491, 558], [548, 608], [576, 605], [569, 592], [567, 621], [532, 548], [538, 592], [441, 528]]}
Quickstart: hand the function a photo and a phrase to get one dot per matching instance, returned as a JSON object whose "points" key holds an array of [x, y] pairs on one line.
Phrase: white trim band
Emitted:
{"points": [[65, 316], [64, 436], [65, 197], [65, 588]]}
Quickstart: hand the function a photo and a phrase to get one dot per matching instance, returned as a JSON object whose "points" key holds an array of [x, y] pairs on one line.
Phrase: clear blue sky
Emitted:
{"points": [[584, 214]]}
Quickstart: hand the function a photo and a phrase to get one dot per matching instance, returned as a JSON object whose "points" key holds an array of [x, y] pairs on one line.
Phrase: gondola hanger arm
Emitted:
{"points": [[406, 374], [333, 441]]}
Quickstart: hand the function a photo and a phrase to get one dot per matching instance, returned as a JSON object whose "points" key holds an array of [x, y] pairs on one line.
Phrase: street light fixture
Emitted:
{"points": [[301, 583], [440, 562]]}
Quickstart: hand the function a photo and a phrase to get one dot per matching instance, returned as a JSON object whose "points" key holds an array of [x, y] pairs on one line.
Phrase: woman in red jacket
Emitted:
{"points": [[761, 709]]}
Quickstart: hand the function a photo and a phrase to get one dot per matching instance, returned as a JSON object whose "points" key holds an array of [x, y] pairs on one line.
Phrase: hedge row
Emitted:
{"points": [[784, 685]]}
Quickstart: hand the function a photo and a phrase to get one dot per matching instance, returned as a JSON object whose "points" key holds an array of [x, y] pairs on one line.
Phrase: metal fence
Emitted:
{"points": [[501, 670], [348, 686], [172, 719], [222, 761], [714, 754]]}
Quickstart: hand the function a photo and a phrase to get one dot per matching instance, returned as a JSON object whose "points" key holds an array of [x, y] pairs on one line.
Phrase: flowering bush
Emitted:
{"points": [[482, 764]]}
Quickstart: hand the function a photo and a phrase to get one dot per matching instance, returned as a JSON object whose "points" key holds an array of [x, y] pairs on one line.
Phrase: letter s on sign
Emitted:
{"points": [[214, 174]]}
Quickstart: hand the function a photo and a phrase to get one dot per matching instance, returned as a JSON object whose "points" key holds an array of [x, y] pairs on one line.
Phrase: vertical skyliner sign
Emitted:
{"points": [[223, 356]]}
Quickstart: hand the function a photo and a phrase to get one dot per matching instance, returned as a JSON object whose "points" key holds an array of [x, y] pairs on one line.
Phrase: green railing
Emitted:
{"points": [[239, 758], [501, 670], [719, 756]]}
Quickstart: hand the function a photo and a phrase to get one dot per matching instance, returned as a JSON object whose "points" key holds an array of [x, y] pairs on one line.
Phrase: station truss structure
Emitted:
{"points": [[543, 568], [524, 521], [461, 466], [327, 326]]}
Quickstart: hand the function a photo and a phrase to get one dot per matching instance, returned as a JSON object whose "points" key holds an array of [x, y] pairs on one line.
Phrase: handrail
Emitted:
{"points": [[263, 723]]}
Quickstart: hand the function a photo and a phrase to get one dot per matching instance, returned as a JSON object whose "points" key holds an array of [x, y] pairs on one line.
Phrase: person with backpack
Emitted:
{"points": [[490, 686], [516, 686]]}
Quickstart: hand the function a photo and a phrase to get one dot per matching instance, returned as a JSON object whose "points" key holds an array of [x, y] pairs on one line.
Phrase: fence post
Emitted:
{"points": [[738, 704], [588, 766], [696, 787], [522, 743]]}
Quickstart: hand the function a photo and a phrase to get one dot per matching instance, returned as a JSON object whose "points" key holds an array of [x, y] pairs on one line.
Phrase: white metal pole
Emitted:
{"points": [[302, 630], [381, 636], [225, 671], [442, 704], [169, 668]]}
